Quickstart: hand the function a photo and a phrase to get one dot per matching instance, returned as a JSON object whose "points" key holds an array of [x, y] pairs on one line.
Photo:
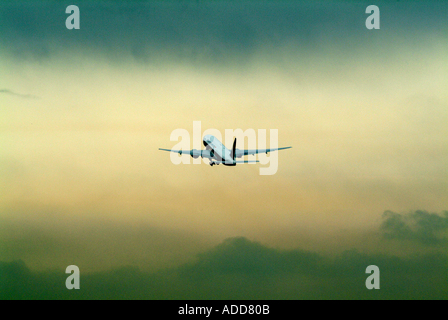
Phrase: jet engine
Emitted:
{"points": [[195, 153]]}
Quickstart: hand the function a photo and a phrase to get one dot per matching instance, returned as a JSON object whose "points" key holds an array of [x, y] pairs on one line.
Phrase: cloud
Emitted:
{"points": [[54, 240], [26, 96], [243, 269], [420, 226], [38, 30], [241, 256]]}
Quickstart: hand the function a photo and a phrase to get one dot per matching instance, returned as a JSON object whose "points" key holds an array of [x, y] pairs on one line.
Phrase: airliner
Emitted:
{"points": [[217, 153]]}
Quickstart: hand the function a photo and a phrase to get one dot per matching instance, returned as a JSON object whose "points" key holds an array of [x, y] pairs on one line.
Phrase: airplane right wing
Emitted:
{"points": [[240, 153]]}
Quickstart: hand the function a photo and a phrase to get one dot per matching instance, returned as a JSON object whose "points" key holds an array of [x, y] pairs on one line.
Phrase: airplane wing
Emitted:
{"points": [[238, 161], [239, 153], [194, 153]]}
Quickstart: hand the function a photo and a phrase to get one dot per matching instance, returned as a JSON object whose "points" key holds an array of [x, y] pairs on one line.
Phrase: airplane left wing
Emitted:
{"points": [[194, 153]]}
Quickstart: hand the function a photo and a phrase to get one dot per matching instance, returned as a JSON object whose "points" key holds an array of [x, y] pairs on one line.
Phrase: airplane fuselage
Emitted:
{"points": [[218, 151]]}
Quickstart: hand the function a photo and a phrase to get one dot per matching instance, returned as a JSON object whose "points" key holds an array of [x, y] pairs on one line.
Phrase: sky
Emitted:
{"points": [[83, 113]]}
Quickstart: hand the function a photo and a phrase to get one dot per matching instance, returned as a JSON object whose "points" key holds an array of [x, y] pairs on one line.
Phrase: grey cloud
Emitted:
{"points": [[419, 226], [26, 96]]}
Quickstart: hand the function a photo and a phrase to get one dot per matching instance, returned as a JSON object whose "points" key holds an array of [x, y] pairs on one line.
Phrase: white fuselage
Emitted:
{"points": [[218, 150]]}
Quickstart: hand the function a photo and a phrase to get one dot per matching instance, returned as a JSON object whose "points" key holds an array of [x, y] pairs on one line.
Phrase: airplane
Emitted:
{"points": [[217, 153]]}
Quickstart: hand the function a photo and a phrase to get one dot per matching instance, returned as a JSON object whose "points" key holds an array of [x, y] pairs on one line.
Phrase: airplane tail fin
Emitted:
{"points": [[233, 154]]}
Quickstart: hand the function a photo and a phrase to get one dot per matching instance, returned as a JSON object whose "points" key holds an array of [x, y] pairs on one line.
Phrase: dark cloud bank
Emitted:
{"points": [[242, 269], [199, 31]]}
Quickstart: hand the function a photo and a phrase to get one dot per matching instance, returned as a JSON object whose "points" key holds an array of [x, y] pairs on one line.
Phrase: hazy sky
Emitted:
{"points": [[83, 113]]}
